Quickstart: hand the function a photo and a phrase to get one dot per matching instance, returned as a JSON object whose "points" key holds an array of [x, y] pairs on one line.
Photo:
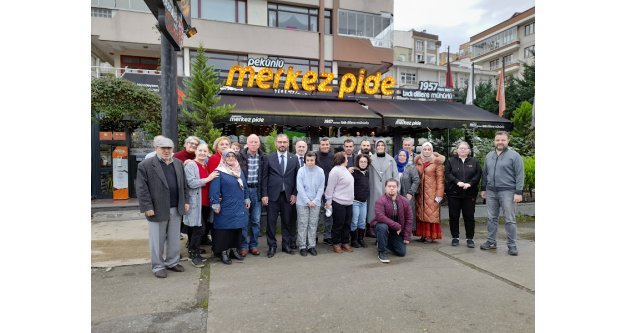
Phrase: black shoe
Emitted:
{"points": [[354, 243], [328, 241], [470, 243], [288, 250], [271, 252], [225, 258], [294, 246], [303, 252], [197, 262], [312, 251], [361, 237], [383, 257], [455, 242], [234, 253]]}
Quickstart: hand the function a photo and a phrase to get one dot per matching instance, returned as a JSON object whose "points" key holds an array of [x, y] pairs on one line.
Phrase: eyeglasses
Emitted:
{"points": [[463, 148], [194, 143], [230, 156]]}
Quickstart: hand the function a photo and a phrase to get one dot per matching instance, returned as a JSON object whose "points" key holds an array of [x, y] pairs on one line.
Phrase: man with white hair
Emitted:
{"points": [[163, 197], [251, 160]]}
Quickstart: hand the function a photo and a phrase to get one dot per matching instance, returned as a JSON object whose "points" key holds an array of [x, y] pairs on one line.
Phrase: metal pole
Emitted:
{"points": [[166, 87], [173, 116]]}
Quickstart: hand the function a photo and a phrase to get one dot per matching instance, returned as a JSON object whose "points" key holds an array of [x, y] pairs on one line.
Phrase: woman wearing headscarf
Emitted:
{"points": [[219, 145], [430, 167], [196, 220], [230, 200], [383, 167], [408, 179]]}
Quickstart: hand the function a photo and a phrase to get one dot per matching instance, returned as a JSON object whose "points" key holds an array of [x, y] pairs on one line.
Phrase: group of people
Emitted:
{"points": [[218, 198]]}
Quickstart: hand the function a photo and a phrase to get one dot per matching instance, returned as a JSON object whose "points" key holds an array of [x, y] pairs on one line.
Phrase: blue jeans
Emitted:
{"points": [[254, 221], [359, 215], [505, 200], [388, 238]]}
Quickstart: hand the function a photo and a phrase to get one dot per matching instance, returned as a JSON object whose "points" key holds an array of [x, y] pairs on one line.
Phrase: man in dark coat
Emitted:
{"points": [[163, 198]]}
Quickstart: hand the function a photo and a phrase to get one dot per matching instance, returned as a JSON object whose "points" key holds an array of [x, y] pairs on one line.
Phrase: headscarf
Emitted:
{"points": [[235, 170], [401, 166], [375, 147], [423, 158]]}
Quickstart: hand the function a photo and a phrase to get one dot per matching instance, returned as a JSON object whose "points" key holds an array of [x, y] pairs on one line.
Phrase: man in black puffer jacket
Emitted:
{"points": [[462, 176]]}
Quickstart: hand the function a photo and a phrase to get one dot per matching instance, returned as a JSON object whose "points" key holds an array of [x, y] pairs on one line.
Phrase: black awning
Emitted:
{"points": [[297, 112], [404, 113]]}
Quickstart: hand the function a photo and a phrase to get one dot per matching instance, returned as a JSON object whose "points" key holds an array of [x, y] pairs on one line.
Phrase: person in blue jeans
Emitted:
{"points": [[392, 222], [360, 172], [502, 187], [251, 160]]}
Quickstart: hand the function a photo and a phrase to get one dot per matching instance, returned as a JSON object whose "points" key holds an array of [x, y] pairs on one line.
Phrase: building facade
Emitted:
{"points": [[417, 58], [511, 42]]}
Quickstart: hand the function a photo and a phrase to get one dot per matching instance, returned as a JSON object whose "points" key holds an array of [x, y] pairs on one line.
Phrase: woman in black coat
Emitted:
{"points": [[462, 176]]}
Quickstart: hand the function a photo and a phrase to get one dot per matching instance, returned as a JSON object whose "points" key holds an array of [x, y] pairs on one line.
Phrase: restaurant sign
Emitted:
{"points": [[265, 78], [429, 90]]}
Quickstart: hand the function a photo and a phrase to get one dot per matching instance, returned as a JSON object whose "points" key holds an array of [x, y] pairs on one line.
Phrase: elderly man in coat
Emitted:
{"points": [[163, 198], [382, 167]]}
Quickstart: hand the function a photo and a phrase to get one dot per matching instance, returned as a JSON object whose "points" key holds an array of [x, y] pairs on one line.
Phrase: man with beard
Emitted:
{"points": [[325, 160], [279, 194], [365, 147], [348, 148], [502, 186]]}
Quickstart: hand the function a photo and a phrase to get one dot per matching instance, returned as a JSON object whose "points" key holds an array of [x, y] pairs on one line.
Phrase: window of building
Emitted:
{"points": [[431, 45], [431, 59], [494, 64], [507, 60], [419, 58], [529, 51], [220, 10], [494, 42], [292, 17], [418, 45], [408, 78], [101, 12], [327, 17], [529, 29], [362, 24]]}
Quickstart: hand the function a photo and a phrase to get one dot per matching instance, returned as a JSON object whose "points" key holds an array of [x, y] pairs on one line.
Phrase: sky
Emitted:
{"points": [[455, 21]]}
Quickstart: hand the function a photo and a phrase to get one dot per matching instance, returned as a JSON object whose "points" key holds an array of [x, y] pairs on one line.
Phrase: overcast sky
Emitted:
{"points": [[455, 21]]}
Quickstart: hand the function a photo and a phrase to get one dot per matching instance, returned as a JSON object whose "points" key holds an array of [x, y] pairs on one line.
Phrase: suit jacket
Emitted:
{"points": [[153, 191], [273, 179]]}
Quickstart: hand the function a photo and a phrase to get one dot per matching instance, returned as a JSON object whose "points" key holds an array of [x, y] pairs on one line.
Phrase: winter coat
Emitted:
{"points": [[467, 172], [194, 216], [379, 171], [226, 192], [409, 181], [432, 185], [504, 172]]}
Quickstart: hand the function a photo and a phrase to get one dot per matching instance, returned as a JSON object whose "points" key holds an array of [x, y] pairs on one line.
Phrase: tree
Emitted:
{"points": [[520, 90], [485, 95], [200, 110], [117, 104], [523, 133]]}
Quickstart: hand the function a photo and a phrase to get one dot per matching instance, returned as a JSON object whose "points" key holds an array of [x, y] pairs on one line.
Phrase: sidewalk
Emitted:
{"points": [[435, 288]]}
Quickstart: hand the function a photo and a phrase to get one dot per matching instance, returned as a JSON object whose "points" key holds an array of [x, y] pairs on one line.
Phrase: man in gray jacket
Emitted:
{"points": [[163, 198], [502, 186]]}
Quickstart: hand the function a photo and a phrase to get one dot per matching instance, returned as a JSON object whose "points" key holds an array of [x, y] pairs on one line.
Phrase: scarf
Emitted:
{"points": [[234, 171], [426, 158], [401, 166]]}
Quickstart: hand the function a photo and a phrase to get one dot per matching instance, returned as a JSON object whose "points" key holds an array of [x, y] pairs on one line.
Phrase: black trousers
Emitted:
{"points": [[341, 221], [196, 234], [467, 207], [283, 207]]}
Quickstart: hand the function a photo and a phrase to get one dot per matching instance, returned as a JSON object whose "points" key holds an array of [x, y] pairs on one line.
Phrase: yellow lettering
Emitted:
{"points": [[263, 75], [242, 71], [376, 83], [323, 86], [309, 78], [361, 77], [388, 82], [343, 88], [276, 78], [290, 79]]}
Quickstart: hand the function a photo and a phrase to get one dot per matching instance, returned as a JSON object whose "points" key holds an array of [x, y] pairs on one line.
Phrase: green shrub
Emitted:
{"points": [[530, 181]]}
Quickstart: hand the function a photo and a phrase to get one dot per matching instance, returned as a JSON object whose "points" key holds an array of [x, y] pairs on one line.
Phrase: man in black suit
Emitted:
{"points": [[279, 194], [163, 198]]}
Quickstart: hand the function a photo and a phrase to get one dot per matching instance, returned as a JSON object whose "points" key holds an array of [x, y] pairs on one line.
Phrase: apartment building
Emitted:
{"points": [[511, 42], [338, 36], [417, 57]]}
